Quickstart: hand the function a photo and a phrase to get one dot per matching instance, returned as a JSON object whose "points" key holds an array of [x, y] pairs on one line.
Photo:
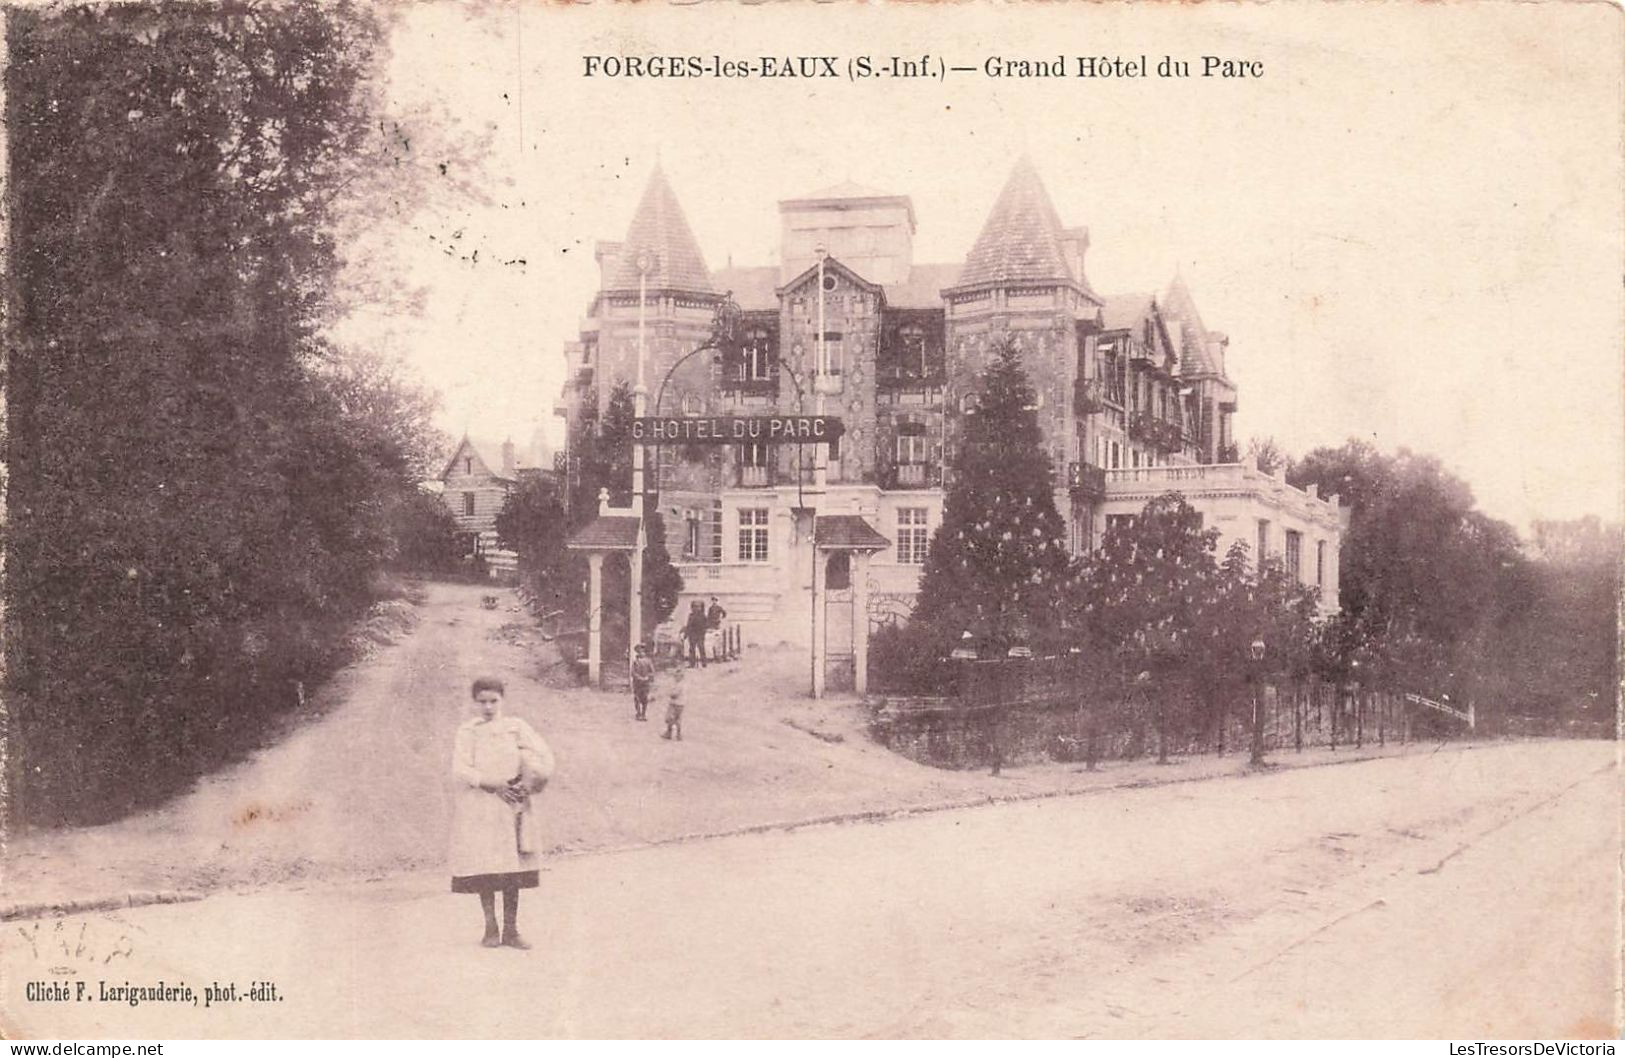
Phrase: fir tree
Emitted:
{"points": [[995, 563]]}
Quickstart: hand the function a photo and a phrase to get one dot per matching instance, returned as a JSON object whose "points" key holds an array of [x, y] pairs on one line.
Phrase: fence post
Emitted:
{"points": [[1382, 718], [1359, 718], [1297, 718], [1337, 707]]}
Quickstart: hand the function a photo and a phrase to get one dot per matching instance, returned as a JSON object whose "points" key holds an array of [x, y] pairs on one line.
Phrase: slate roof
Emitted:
{"points": [[923, 288], [1021, 240], [1123, 312], [660, 229], [478, 450], [847, 532], [753, 288], [607, 532], [1178, 304]]}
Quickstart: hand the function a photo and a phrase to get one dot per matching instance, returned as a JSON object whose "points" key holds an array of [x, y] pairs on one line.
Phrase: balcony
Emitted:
{"points": [[747, 385], [913, 476], [1087, 481], [752, 477], [1088, 396]]}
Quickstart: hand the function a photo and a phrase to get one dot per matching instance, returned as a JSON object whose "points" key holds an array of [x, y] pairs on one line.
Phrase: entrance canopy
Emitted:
{"points": [[847, 532], [607, 532]]}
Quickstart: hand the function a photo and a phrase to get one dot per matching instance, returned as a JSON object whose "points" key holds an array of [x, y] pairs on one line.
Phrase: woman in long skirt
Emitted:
{"points": [[498, 762]]}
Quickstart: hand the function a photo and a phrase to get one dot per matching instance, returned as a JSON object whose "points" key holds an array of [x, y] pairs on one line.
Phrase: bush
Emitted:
{"points": [[903, 661]]}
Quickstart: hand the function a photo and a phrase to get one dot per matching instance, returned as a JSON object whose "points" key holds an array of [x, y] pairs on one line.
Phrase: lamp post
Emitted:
{"points": [[724, 333], [1255, 655]]}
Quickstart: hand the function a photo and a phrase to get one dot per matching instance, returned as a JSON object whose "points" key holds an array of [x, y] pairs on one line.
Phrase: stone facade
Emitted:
{"points": [[1131, 393]]}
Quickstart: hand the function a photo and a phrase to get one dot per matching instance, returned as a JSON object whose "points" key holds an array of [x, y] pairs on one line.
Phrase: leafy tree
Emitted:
{"points": [[532, 524], [425, 535], [1429, 583], [199, 480], [995, 563]]}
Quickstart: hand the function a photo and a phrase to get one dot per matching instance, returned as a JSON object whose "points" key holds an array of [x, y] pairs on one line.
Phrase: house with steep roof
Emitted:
{"points": [[1132, 391], [475, 483]]}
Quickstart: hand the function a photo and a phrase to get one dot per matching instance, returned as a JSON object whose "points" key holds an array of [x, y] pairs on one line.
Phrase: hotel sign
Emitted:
{"points": [[732, 430]]}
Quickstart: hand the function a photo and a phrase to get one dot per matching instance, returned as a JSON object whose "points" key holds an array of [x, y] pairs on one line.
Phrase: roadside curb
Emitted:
{"points": [[873, 815], [134, 898], [142, 898]]}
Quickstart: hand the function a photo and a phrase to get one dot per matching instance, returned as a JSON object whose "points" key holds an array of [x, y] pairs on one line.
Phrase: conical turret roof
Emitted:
{"points": [[660, 236], [1021, 239]]}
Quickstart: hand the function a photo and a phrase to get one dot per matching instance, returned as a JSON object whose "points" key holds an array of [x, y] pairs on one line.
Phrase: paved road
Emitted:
{"points": [[1467, 894]]}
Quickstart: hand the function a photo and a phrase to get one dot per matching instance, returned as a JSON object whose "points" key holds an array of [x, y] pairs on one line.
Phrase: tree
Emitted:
{"points": [[425, 535], [199, 481], [531, 523], [995, 563], [1428, 581], [534, 524], [1268, 455]]}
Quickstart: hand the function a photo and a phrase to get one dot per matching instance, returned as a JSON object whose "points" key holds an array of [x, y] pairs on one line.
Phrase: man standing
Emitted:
{"points": [[714, 617], [694, 630]]}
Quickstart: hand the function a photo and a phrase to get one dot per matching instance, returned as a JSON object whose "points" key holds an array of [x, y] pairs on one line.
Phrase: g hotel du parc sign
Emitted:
{"points": [[730, 429]]}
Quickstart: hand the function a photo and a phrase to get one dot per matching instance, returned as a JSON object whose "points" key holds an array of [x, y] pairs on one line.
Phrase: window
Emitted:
{"points": [[913, 351], [1320, 563], [834, 352], [757, 358], [912, 449], [1115, 450], [1263, 541], [468, 464], [913, 535], [692, 521], [1119, 522], [716, 531], [753, 455], [838, 571], [753, 534], [1294, 555], [468, 504]]}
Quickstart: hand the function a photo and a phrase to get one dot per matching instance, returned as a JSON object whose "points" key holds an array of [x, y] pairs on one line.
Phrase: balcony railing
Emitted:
{"points": [[1087, 480], [913, 476], [1088, 397], [749, 385], [753, 477]]}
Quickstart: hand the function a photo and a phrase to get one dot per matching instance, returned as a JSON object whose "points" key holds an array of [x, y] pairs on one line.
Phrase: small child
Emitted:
{"points": [[674, 711], [643, 681]]}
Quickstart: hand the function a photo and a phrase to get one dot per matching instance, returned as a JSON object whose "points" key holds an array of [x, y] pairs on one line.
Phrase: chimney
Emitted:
{"points": [[507, 458]]}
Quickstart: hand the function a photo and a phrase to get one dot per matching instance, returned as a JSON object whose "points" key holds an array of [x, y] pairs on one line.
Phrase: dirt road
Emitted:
{"points": [[1461, 894], [356, 789]]}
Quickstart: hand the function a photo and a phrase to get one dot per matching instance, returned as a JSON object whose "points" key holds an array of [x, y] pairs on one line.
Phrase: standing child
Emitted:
{"points": [[643, 681], [674, 710], [498, 762]]}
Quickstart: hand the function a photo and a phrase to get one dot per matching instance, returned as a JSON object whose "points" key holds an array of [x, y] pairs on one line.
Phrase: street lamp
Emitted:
{"points": [[1255, 653]]}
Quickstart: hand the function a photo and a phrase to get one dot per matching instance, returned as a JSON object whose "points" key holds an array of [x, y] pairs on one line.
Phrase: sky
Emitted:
{"points": [[1410, 225]]}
